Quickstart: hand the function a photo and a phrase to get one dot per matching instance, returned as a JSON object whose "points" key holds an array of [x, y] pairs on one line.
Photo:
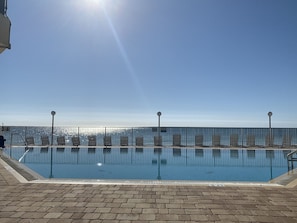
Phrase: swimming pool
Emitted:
{"points": [[198, 164]]}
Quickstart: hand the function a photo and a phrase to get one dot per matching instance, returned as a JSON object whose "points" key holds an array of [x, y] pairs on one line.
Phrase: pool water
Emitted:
{"points": [[204, 164]]}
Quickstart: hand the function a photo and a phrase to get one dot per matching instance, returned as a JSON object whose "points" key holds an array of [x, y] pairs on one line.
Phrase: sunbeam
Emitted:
{"points": [[124, 54]]}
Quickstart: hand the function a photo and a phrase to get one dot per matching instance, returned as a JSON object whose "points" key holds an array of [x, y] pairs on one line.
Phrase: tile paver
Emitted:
{"points": [[48, 202]]}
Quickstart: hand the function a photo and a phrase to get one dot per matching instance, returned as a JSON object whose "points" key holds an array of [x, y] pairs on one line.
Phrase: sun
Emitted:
{"points": [[92, 3], [89, 6], [102, 5]]}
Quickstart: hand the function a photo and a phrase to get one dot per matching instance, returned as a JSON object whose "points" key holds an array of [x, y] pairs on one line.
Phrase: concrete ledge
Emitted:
{"points": [[20, 171]]}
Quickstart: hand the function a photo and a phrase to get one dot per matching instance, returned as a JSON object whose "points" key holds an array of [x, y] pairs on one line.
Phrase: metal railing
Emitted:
{"points": [[148, 136], [291, 159]]}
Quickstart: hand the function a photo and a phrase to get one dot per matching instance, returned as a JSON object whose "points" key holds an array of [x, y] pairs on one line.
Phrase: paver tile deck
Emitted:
{"points": [[49, 202]]}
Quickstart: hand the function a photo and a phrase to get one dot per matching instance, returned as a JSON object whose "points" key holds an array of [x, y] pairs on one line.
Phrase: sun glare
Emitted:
{"points": [[94, 2], [91, 5], [95, 6], [110, 5]]}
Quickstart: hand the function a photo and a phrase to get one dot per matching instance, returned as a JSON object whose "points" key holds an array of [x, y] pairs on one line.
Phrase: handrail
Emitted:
{"points": [[291, 153], [291, 159]]}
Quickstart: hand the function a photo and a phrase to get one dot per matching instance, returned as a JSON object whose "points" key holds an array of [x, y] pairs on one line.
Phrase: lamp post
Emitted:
{"points": [[53, 119], [270, 133], [52, 142], [159, 144], [159, 129]]}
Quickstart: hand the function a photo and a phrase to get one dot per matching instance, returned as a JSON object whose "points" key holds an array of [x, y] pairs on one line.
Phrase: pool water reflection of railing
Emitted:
{"points": [[154, 163]]}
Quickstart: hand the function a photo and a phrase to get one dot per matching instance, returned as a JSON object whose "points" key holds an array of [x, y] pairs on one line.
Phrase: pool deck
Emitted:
{"points": [[24, 201]]}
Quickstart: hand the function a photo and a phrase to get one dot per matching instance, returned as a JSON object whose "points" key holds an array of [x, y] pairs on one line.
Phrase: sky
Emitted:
{"points": [[202, 63]]}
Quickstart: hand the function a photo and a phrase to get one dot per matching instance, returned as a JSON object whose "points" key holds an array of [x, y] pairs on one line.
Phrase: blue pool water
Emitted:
{"points": [[243, 162], [148, 163]]}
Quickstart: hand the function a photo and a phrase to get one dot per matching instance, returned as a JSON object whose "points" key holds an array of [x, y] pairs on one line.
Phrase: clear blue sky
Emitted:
{"points": [[118, 62]]}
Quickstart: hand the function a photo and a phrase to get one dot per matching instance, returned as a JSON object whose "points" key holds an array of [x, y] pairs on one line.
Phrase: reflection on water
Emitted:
{"points": [[228, 154], [155, 163]]}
